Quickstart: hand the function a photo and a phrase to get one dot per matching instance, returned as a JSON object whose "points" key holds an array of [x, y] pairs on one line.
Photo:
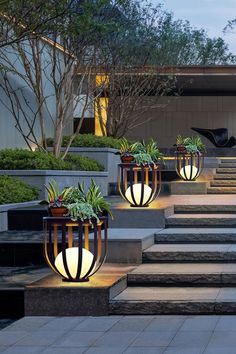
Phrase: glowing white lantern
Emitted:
{"points": [[189, 172], [137, 191], [72, 262]]}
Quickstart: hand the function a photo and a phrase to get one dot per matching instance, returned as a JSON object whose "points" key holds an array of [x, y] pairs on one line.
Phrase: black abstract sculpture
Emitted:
{"points": [[218, 137]]}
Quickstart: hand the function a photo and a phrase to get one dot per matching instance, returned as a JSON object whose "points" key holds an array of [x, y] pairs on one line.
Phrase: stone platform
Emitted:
{"points": [[51, 296]]}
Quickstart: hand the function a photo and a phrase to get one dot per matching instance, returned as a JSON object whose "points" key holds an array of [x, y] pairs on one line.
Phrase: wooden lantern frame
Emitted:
{"points": [[63, 233], [184, 159], [131, 173]]}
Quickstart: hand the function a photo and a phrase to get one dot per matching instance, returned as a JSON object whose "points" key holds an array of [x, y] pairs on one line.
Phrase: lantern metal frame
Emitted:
{"points": [[193, 159], [131, 173], [61, 233]]}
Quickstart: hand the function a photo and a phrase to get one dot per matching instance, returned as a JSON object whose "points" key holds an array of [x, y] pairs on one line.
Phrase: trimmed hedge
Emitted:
{"points": [[83, 163], [15, 191], [20, 159], [89, 140]]}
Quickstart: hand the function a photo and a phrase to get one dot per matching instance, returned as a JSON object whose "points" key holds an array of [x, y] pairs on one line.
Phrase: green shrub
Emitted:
{"points": [[20, 159], [16, 191], [83, 163], [90, 140]]}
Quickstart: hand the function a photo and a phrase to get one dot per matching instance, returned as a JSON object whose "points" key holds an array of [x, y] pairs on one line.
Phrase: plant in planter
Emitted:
{"points": [[126, 151], [83, 246], [86, 206], [180, 143], [190, 144], [146, 154], [56, 199], [189, 157]]}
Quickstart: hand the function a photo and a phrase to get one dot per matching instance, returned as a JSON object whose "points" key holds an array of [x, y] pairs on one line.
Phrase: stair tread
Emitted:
{"points": [[185, 294], [201, 216], [199, 230], [191, 248], [181, 268]]}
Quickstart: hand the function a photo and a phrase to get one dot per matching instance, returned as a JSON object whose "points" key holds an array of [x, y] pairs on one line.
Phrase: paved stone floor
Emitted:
{"points": [[121, 334]]}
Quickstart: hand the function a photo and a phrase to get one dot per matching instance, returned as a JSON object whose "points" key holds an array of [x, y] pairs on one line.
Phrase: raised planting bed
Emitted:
{"points": [[103, 155], [38, 178]]}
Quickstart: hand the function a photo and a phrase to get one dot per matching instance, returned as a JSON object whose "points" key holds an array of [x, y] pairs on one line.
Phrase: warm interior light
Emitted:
{"points": [[185, 172], [72, 262], [137, 190]]}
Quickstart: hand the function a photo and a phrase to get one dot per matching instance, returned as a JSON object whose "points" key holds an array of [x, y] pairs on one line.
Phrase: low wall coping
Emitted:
{"points": [[54, 173], [89, 149], [6, 207]]}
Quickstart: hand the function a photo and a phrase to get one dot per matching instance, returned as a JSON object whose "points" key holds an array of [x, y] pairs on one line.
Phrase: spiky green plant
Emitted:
{"points": [[86, 206], [55, 196]]}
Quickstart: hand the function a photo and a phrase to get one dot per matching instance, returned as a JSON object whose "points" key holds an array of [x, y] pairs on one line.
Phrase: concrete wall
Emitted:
{"points": [[179, 114], [38, 178]]}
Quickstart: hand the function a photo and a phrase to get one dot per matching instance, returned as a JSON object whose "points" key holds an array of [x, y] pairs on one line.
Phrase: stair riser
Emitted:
{"points": [[191, 223], [182, 279], [179, 209], [230, 183], [227, 164], [172, 307], [229, 161], [221, 190], [224, 176], [153, 257], [196, 238], [226, 170]]}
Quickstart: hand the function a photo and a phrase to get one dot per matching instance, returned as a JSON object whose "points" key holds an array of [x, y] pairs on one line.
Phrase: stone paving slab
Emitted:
{"points": [[169, 334]]}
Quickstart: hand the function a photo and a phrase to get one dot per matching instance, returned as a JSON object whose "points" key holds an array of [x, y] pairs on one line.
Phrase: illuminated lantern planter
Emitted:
{"points": [[75, 249], [139, 185], [188, 165]]}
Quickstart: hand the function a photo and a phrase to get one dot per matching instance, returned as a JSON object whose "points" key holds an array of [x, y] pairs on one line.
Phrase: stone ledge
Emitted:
{"points": [[51, 296]]}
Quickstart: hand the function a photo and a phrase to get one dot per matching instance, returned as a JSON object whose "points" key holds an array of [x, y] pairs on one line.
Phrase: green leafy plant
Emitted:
{"points": [[21, 159], [85, 206], [180, 140], [126, 148], [16, 191], [143, 159], [146, 153], [55, 196], [191, 144]]}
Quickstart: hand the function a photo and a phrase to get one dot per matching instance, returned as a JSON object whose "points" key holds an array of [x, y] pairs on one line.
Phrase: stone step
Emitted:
{"points": [[227, 165], [232, 160], [190, 253], [225, 176], [174, 300], [201, 220], [192, 274], [223, 183], [205, 208], [196, 235], [221, 190], [226, 170]]}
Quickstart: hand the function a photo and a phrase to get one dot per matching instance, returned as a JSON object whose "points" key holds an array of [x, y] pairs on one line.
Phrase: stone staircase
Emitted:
{"points": [[224, 181], [191, 268]]}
